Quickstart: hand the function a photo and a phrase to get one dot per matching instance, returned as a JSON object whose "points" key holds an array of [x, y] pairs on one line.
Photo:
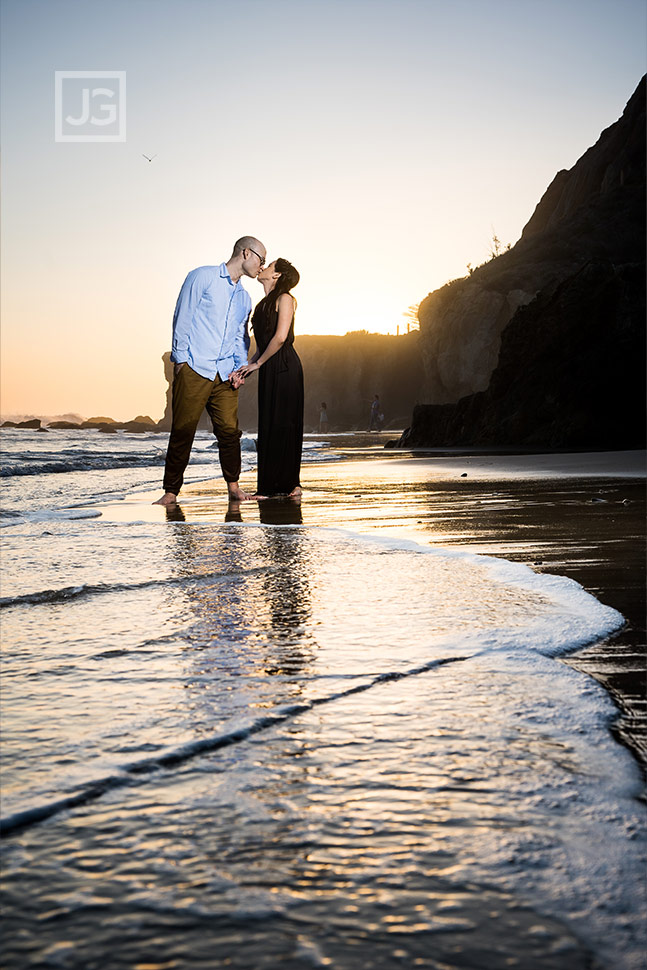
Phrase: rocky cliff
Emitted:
{"points": [[345, 372], [544, 345]]}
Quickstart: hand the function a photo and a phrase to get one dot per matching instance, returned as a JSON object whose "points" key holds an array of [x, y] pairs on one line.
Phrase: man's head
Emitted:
{"points": [[247, 258]]}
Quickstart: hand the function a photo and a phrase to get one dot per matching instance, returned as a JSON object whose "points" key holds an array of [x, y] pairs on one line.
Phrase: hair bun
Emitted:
{"points": [[289, 272]]}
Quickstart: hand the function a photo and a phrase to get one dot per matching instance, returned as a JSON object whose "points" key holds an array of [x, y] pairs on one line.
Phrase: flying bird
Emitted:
{"points": [[149, 158]]}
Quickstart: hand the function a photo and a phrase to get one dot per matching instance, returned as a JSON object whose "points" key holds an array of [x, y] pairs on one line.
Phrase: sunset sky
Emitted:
{"points": [[376, 144]]}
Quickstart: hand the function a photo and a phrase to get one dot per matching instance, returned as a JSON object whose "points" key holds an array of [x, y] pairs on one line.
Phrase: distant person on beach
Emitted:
{"points": [[323, 418], [376, 415], [210, 343], [280, 384]]}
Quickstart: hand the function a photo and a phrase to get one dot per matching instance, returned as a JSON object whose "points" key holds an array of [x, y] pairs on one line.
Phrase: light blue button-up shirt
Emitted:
{"points": [[210, 323]]}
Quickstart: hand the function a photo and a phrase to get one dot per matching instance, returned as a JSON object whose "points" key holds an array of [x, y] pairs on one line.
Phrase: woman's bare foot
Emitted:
{"points": [[168, 498], [296, 492]]}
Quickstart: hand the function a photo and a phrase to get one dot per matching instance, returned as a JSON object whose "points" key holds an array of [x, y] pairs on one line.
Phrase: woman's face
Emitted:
{"points": [[268, 273]]}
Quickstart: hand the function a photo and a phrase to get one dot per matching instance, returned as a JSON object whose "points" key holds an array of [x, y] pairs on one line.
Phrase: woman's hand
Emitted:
{"points": [[247, 369]]}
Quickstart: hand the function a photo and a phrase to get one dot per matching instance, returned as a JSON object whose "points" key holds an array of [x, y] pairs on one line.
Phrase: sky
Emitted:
{"points": [[376, 144]]}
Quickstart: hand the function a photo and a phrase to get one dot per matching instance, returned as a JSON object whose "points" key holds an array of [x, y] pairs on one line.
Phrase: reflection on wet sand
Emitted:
{"points": [[251, 604], [279, 511]]}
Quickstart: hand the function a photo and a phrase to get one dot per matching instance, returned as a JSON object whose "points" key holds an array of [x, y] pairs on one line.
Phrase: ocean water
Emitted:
{"points": [[260, 743]]}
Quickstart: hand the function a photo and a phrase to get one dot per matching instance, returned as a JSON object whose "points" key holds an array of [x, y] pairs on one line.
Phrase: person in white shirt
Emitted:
{"points": [[210, 343]]}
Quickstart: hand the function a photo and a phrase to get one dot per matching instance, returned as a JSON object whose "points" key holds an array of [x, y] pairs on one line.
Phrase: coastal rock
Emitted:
{"points": [[64, 425], [557, 384], [137, 426], [345, 372], [97, 422], [31, 425], [544, 345]]}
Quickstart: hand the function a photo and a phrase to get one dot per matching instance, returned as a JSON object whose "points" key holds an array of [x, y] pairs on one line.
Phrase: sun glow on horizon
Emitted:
{"points": [[401, 141]]}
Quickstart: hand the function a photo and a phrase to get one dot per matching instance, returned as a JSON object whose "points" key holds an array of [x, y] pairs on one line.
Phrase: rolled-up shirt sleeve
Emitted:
{"points": [[241, 343], [189, 298]]}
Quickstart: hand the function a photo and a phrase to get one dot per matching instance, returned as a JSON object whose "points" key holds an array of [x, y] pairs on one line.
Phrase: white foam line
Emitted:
{"points": [[177, 756], [591, 620], [587, 619], [67, 593]]}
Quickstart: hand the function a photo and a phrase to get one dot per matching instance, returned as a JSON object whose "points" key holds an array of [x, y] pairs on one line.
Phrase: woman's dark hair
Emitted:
{"points": [[289, 277]]}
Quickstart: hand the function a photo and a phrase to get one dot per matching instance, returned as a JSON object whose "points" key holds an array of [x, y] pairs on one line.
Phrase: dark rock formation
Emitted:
{"points": [[561, 317], [97, 422], [63, 425], [31, 425], [137, 426], [345, 372]]}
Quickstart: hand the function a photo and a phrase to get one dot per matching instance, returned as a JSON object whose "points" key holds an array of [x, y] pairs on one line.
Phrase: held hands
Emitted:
{"points": [[246, 370], [236, 379]]}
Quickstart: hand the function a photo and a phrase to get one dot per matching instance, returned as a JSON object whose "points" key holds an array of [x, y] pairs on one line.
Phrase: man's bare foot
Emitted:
{"points": [[168, 498], [236, 493], [296, 492]]}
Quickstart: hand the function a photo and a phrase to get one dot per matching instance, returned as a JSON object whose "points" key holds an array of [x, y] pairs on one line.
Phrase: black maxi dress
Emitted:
{"points": [[280, 407]]}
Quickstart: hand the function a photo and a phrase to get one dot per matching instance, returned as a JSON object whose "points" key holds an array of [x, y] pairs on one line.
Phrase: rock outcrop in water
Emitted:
{"points": [[545, 344], [33, 424]]}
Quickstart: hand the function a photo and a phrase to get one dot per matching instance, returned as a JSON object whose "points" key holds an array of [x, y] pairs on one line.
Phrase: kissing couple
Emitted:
{"points": [[210, 357]]}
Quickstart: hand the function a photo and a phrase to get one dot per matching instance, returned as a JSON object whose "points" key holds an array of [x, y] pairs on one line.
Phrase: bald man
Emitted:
{"points": [[210, 342]]}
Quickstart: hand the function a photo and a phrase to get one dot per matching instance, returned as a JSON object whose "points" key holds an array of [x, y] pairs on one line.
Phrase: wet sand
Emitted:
{"points": [[577, 515]]}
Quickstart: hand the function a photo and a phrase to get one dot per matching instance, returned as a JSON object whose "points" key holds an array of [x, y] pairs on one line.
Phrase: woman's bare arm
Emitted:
{"points": [[286, 313]]}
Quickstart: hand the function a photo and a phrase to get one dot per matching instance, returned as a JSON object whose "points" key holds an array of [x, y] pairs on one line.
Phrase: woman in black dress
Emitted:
{"points": [[280, 384]]}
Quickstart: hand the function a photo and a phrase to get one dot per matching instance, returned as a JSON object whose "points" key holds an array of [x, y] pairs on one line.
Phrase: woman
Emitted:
{"points": [[323, 418], [280, 384]]}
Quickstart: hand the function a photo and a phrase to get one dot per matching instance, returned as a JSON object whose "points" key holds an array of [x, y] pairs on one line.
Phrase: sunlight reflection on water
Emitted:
{"points": [[418, 815]]}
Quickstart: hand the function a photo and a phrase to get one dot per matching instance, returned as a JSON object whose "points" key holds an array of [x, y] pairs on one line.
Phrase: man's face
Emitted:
{"points": [[254, 260], [267, 272]]}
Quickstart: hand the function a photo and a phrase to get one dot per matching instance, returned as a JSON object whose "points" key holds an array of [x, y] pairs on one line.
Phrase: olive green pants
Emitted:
{"points": [[191, 395]]}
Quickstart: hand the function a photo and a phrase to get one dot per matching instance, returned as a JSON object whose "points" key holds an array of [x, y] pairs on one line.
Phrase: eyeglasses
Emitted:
{"points": [[261, 258]]}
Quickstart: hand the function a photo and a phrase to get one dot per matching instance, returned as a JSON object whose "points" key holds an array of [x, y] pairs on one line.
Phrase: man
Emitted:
{"points": [[374, 423], [210, 342]]}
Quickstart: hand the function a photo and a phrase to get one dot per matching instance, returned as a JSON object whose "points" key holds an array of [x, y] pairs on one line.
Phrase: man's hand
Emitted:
{"points": [[236, 379], [177, 368]]}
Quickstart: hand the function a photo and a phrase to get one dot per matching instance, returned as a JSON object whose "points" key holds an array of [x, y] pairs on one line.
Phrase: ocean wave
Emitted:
{"points": [[83, 463], [67, 593], [574, 617], [172, 758]]}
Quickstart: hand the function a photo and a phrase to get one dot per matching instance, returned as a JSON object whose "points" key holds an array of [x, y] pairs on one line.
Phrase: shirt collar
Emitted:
{"points": [[225, 272]]}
